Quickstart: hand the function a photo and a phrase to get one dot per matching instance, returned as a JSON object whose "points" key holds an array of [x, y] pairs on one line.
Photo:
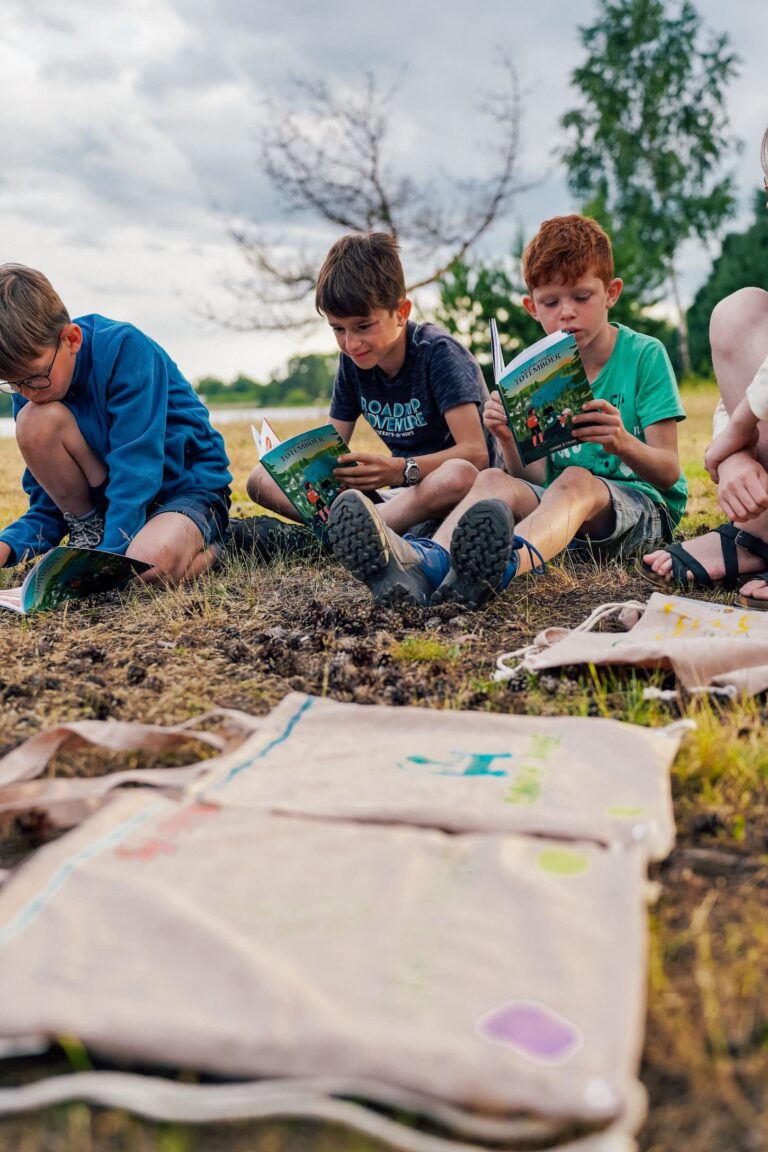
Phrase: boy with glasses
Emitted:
{"points": [[119, 449]]}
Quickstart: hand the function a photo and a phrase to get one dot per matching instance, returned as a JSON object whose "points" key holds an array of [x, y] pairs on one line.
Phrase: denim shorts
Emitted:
{"points": [[209, 511], [639, 522]]}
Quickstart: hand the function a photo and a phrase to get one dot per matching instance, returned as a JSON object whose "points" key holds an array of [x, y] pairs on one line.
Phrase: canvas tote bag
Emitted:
{"points": [[492, 982], [706, 645]]}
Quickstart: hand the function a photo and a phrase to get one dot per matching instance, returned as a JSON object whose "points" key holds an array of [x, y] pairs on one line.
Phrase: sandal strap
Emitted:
{"points": [[683, 563], [743, 539], [728, 534]]}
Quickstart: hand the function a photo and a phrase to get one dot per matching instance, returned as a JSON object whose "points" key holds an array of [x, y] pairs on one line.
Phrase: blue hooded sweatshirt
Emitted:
{"points": [[140, 416]]}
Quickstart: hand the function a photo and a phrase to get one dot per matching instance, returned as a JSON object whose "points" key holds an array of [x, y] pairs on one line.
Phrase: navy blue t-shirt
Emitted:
{"points": [[407, 410]]}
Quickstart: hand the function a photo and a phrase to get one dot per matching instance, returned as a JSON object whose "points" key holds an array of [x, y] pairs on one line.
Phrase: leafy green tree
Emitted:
{"points": [[648, 142], [742, 263], [312, 374], [473, 293]]}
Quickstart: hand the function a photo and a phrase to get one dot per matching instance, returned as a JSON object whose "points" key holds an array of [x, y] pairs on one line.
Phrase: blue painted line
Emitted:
{"points": [[32, 910], [284, 735]]}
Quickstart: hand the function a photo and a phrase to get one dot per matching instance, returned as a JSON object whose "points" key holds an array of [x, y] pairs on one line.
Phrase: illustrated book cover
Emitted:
{"points": [[542, 389], [303, 468], [69, 574]]}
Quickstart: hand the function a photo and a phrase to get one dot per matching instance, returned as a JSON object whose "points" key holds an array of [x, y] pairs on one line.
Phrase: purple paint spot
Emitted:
{"points": [[531, 1029]]}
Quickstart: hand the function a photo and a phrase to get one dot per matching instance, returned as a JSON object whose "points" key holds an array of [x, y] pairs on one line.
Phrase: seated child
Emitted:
{"points": [[735, 554], [417, 387], [620, 487], [119, 450]]}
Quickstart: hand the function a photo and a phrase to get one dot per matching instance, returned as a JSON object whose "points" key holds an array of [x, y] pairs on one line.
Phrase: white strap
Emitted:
{"points": [[167, 1100], [522, 655]]}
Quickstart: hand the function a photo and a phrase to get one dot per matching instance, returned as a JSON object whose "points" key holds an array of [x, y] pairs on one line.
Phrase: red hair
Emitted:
{"points": [[566, 248]]}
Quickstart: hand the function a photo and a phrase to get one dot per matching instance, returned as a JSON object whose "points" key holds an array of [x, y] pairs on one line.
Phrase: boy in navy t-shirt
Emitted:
{"points": [[418, 388], [119, 449]]}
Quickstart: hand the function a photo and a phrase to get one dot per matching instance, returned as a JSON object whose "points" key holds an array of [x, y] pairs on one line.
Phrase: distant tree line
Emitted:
{"points": [[307, 380]]}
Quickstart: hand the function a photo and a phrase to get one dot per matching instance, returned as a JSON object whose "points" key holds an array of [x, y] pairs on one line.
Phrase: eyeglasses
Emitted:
{"points": [[35, 383]]}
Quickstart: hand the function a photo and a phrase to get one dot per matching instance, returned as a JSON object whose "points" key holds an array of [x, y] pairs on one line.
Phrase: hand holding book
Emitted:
{"points": [[600, 422], [495, 419], [367, 471]]}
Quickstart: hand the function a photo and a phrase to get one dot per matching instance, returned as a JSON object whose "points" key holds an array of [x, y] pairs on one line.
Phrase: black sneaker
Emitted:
{"points": [[374, 554], [85, 532], [266, 538], [481, 549]]}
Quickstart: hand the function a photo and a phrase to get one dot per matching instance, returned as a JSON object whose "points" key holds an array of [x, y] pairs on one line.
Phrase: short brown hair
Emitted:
{"points": [[565, 248], [361, 272], [32, 316]]}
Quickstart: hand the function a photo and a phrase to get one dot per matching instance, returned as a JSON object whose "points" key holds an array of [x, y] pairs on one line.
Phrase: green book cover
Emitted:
{"points": [[303, 468], [542, 389], [69, 574]]}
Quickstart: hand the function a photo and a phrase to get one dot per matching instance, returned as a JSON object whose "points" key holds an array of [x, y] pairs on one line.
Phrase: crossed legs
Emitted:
{"points": [[739, 338]]}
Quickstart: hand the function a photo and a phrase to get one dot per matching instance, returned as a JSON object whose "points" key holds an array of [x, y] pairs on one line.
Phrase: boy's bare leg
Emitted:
{"points": [[739, 337], [484, 555], [173, 545], [263, 490], [491, 484], [58, 457], [436, 495], [576, 503]]}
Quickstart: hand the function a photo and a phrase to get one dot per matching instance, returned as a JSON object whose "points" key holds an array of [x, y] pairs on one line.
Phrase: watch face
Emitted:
{"points": [[412, 472]]}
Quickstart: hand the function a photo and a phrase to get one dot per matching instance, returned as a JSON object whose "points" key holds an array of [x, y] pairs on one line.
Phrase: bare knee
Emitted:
{"points": [[40, 425], [737, 314], [254, 483], [452, 481], [579, 484]]}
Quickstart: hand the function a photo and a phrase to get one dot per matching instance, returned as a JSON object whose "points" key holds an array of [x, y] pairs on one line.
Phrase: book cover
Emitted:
{"points": [[69, 574], [541, 390], [303, 468]]}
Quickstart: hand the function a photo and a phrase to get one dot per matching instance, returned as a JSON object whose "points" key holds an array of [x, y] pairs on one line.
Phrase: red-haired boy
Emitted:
{"points": [[619, 488]]}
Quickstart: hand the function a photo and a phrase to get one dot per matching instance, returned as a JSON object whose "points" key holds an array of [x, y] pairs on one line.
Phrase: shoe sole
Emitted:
{"points": [[359, 542], [480, 550]]}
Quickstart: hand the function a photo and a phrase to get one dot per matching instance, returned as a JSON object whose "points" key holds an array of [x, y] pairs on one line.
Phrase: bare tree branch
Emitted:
{"points": [[326, 155]]}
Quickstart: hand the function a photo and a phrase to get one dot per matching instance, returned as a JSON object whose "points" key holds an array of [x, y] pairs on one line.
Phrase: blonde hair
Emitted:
{"points": [[32, 316]]}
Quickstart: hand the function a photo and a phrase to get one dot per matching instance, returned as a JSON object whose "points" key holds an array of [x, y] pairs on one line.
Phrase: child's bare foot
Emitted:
{"points": [[709, 554], [756, 590]]}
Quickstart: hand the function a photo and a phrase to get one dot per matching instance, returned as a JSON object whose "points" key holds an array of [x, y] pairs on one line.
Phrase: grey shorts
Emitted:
{"points": [[638, 522], [208, 511]]}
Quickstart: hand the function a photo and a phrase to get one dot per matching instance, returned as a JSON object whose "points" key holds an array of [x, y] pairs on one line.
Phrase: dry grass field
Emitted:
{"points": [[245, 635]]}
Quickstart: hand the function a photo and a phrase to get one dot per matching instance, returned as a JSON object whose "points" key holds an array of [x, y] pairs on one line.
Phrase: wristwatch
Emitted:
{"points": [[412, 473]]}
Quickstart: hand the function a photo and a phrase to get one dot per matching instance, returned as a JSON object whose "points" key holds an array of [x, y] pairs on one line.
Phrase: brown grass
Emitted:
{"points": [[244, 636]]}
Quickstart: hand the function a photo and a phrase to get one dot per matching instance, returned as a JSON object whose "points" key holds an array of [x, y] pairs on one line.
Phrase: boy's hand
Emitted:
{"points": [[743, 486], [372, 471], [600, 423], [740, 435], [5, 553], [495, 419]]}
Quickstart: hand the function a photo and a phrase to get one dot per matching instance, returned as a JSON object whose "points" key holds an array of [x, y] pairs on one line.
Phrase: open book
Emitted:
{"points": [[69, 574], [542, 389], [303, 468]]}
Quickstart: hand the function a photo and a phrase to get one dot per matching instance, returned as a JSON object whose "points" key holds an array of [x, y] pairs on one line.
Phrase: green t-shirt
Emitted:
{"points": [[638, 380]]}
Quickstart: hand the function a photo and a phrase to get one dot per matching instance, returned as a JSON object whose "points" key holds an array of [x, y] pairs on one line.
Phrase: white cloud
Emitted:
{"points": [[125, 126]]}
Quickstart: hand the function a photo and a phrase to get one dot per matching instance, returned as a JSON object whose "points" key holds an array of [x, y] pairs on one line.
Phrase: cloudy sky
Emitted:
{"points": [[130, 135]]}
